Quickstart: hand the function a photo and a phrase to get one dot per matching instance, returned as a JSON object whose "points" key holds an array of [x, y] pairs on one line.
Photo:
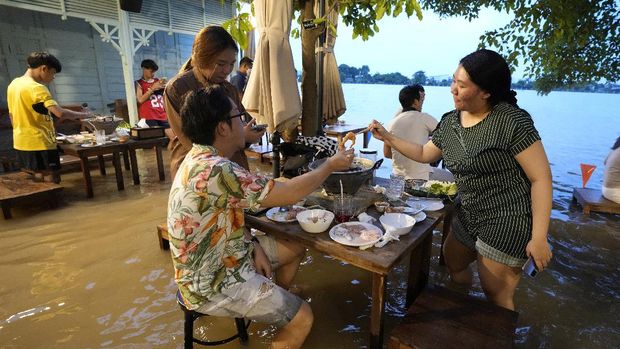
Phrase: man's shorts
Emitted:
{"points": [[258, 299], [162, 123], [39, 160]]}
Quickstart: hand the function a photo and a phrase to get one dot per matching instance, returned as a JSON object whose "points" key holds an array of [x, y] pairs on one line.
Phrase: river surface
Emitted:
{"points": [[90, 274]]}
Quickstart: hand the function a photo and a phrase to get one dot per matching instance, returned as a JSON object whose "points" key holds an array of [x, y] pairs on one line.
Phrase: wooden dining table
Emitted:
{"points": [[115, 149], [339, 131], [378, 261]]}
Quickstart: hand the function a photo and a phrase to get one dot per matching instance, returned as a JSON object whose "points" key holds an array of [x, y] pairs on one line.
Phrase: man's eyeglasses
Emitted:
{"points": [[244, 115]]}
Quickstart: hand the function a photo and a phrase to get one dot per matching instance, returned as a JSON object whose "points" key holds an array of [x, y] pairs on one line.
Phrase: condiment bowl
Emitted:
{"points": [[397, 223], [315, 221], [381, 206]]}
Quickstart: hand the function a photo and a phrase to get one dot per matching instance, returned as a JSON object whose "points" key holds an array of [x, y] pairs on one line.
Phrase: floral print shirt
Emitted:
{"points": [[206, 223]]}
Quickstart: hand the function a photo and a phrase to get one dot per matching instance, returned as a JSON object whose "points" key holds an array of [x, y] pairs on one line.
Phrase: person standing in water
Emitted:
{"points": [[502, 174]]}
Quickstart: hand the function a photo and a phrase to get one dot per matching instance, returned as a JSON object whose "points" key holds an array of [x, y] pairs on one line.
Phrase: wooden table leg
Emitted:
{"points": [[419, 266], [88, 182], [126, 159], [445, 230], [6, 209], [160, 163], [118, 169], [101, 165], [377, 310], [134, 166]]}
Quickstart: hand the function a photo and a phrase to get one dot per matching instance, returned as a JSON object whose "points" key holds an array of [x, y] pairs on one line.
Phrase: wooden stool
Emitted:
{"points": [[441, 318], [593, 200], [188, 328], [162, 236]]}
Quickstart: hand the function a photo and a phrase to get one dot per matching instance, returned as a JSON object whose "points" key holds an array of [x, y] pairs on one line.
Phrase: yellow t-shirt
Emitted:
{"points": [[33, 127]]}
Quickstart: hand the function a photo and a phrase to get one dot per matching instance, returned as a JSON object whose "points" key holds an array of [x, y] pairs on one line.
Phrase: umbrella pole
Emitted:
{"points": [[321, 78], [275, 141]]}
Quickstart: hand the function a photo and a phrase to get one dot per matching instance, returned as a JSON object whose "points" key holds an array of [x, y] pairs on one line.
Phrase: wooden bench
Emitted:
{"points": [[162, 236], [593, 200], [19, 185], [441, 318]]}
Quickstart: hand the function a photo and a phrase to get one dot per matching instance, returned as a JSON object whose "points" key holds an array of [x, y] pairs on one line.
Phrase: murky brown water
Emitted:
{"points": [[91, 274]]}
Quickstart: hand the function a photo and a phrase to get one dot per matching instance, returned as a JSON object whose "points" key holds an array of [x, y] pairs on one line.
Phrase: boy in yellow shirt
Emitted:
{"points": [[31, 109]]}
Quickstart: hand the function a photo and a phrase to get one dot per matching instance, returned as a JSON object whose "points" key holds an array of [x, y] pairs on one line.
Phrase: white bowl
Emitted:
{"points": [[397, 223], [315, 221]]}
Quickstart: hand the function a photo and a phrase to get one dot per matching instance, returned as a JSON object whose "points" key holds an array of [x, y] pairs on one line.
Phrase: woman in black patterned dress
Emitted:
{"points": [[502, 174]]}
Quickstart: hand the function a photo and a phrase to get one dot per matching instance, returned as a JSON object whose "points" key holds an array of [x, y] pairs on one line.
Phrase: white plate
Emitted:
{"points": [[343, 233], [405, 209], [88, 145], [429, 204], [284, 217], [419, 217]]}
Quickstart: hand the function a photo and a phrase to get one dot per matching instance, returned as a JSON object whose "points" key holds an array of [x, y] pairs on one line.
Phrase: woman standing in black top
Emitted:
{"points": [[502, 174]]}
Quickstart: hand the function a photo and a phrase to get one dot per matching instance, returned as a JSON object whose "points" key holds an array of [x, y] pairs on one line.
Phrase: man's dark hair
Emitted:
{"points": [[202, 111], [246, 61], [37, 59], [408, 94], [149, 64], [616, 145]]}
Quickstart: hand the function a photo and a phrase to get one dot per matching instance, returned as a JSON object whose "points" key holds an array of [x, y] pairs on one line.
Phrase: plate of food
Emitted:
{"points": [[355, 234], [429, 204], [404, 209], [284, 215], [431, 189]]}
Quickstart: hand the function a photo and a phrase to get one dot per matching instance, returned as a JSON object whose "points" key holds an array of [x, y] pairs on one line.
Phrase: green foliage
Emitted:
{"points": [[562, 43], [239, 26], [363, 15]]}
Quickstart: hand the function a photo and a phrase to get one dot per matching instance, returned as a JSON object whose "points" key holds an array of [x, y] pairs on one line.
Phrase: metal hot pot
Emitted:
{"points": [[361, 171]]}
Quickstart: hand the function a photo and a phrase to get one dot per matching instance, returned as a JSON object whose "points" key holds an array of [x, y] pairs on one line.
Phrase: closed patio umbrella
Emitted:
{"points": [[333, 98], [272, 94]]}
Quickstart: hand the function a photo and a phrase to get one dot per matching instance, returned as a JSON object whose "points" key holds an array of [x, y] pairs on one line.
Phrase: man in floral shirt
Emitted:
{"points": [[220, 269]]}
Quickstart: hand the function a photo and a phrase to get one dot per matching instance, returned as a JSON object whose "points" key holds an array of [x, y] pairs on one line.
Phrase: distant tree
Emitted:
{"points": [[390, 78], [364, 70], [419, 77], [561, 42]]}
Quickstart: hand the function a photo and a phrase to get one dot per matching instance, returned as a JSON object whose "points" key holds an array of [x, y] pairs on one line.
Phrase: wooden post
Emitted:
{"points": [[126, 52]]}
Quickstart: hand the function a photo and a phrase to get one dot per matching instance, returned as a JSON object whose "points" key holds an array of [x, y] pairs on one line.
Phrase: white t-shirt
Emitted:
{"points": [[415, 127], [612, 170]]}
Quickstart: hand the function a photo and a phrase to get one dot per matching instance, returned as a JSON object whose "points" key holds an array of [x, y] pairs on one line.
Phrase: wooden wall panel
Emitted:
{"points": [[92, 71]]}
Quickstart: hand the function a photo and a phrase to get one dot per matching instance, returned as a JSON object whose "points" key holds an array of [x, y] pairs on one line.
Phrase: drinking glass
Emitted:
{"points": [[396, 187], [343, 208], [100, 137]]}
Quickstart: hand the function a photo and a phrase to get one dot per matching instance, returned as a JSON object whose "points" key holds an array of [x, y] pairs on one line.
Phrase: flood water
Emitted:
{"points": [[90, 273]]}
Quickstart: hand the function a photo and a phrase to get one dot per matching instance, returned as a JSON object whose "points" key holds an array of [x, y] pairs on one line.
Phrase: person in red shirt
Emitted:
{"points": [[149, 93]]}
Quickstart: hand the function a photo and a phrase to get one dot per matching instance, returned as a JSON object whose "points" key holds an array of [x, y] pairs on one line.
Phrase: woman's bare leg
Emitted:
{"points": [[498, 281], [458, 257]]}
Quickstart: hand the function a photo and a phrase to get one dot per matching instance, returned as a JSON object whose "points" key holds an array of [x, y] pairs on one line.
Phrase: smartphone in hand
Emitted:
{"points": [[529, 268], [259, 127]]}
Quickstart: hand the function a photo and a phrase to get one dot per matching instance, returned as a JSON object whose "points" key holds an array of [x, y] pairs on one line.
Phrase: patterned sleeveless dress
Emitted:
{"points": [[494, 215]]}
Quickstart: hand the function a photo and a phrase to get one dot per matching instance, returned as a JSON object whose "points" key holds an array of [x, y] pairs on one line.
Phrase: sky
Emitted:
{"points": [[407, 45]]}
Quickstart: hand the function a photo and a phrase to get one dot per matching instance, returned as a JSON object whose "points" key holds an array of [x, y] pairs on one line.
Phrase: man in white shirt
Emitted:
{"points": [[413, 125]]}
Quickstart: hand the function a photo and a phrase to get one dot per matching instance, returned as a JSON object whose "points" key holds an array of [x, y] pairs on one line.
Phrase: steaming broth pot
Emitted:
{"points": [[361, 170]]}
